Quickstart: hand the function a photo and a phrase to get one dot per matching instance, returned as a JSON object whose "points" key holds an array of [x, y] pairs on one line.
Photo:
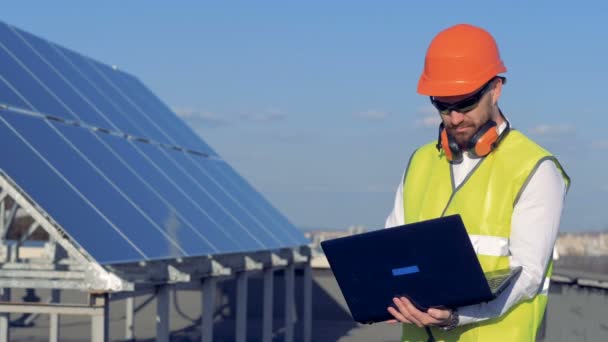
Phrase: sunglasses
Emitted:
{"points": [[464, 105]]}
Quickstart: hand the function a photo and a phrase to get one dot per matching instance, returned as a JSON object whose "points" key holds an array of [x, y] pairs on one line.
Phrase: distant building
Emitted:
{"points": [[582, 244], [317, 236], [576, 244]]}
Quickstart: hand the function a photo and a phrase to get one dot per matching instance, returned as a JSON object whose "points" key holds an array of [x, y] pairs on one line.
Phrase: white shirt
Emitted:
{"points": [[534, 228]]}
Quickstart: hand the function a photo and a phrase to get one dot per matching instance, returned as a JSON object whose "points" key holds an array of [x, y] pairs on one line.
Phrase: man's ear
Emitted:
{"points": [[497, 90]]}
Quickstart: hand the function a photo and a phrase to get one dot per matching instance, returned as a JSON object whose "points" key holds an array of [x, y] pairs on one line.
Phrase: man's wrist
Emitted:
{"points": [[452, 321]]}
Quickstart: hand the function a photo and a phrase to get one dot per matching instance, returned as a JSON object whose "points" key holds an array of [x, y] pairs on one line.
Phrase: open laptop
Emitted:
{"points": [[431, 262]]}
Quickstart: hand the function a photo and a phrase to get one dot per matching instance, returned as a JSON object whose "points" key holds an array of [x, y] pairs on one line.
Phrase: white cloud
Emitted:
{"points": [[427, 110], [199, 117], [333, 188], [552, 130], [430, 117], [429, 122], [600, 144], [292, 136], [263, 118], [318, 188], [196, 117], [372, 115]]}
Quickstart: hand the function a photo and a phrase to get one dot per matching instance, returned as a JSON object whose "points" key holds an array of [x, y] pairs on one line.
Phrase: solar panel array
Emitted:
{"points": [[115, 167]]}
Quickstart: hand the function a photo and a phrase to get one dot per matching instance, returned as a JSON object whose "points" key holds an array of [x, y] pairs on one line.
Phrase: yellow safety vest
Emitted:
{"points": [[485, 200]]}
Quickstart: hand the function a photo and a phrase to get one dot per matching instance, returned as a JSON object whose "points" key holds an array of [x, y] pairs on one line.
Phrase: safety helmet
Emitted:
{"points": [[460, 59]]}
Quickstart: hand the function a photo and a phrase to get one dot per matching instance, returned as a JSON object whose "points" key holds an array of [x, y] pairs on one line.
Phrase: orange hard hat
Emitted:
{"points": [[460, 59]]}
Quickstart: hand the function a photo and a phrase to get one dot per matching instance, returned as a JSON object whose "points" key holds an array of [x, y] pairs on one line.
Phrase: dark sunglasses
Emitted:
{"points": [[464, 105]]}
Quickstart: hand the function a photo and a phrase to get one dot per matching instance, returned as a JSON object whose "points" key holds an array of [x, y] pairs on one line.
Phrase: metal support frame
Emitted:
{"points": [[59, 247], [241, 307], [129, 322], [162, 314], [63, 264], [307, 302], [290, 303], [95, 309], [100, 318], [267, 315], [294, 257], [4, 316], [8, 218], [240, 265], [208, 305], [54, 318]]}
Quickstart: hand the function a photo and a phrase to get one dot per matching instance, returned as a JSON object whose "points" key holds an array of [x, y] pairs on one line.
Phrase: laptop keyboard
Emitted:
{"points": [[496, 281]]}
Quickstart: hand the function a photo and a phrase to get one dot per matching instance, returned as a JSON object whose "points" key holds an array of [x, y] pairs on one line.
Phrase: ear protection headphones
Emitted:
{"points": [[480, 145]]}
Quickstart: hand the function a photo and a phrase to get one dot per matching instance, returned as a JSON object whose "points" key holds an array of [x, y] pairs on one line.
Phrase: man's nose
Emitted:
{"points": [[456, 118]]}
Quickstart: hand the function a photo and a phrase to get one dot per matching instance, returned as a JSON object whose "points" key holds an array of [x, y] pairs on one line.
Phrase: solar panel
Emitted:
{"points": [[219, 236], [63, 202], [251, 200], [257, 202], [155, 114], [115, 167]]}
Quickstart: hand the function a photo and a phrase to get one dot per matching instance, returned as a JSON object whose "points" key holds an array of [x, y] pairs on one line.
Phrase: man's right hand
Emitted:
{"points": [[406, 312]]}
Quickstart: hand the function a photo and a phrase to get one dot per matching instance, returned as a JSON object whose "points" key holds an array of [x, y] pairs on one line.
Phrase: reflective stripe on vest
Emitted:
{"points": [[490, 245], [485, 201], [544, 290]]}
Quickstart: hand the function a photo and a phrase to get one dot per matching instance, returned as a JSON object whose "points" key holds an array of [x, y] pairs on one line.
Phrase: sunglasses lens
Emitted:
{"points": [[462, 106], [466, 105], [442, 107]]}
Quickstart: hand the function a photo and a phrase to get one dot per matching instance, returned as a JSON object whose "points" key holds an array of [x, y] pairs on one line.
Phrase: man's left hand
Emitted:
{"points": [[406, 312]]}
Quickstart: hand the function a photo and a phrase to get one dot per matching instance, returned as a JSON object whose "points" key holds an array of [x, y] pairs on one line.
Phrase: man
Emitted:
{"points": [[508, 190]]}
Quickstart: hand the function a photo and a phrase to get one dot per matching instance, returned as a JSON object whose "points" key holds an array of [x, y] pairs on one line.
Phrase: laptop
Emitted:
{"points": [[430, 262]]}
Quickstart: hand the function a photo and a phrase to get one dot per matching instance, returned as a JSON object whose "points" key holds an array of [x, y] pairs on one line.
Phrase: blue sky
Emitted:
{"points": [[315, 102]]}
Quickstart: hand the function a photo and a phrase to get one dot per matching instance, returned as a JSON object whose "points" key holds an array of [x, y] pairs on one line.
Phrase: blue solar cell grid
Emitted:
{"points": [[115, 167]]}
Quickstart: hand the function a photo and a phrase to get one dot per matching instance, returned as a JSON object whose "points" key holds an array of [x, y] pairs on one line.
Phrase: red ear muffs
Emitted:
{"points": [[482, 142], [480, 145], [452, 151]]}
